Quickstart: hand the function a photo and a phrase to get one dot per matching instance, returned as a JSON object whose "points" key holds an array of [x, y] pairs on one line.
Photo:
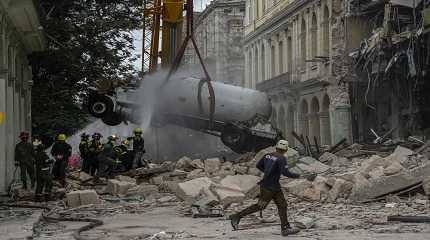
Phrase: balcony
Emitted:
{"points": [[280, 81]]}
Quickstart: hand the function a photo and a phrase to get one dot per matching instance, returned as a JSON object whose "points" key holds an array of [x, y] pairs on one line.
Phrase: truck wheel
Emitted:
{"points": [[235, 139], [100, 106]]}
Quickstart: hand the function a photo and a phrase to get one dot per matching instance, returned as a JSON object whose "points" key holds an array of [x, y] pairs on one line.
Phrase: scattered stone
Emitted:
{"points": [[185, 163], [370, 164], [166, 199], [241, 169], [377, 172], [340, 188], [305, 222], [125, 179], [388, 184], [143, 190], [426, 186], [297, 187], [84, 177], [196, 173], [157, 180], [188, 191], [254, 171], [83, 197], [227, 166], [198, 164], [394, 168], [328, 158], [227, 196], [311, 165], [246, 184], [212, 165], [115, 187]]}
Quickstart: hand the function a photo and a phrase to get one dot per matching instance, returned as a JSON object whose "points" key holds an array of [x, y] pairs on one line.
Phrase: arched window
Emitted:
{"points": [[326, 34], [303, 42], [314, 31]]}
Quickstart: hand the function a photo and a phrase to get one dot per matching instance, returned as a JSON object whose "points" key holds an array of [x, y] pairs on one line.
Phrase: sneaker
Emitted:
{"points": [[234, 222], [289, 231]]}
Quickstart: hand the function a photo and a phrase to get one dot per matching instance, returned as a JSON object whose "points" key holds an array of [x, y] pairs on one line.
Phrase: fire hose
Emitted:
{"points": [[77, 233]]}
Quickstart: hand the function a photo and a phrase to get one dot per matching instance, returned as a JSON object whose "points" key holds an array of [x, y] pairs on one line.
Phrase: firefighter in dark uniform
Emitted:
{"points": [[94, 149], [126, 155], [83, 150], [43, 173], [61, 151], [107, 157], [138, 148], [24, 158]]}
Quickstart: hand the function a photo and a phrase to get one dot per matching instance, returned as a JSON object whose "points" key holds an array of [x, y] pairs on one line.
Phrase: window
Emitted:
{"points": [[263, 62], [273, 61], [326, 36], [314, 36], [303, 43], [289, 54]]}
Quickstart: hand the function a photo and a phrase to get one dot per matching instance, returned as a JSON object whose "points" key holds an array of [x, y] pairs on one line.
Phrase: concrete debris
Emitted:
{"points": [[311, 165], [115, 187], [122, 178], [340, 189], [198, 164], [305, 222], [227, 195], [328, 158], [143, 190], [188, 191], [184, 164], [84, 177], [83, 197], [246, 184], [377, 172], [394, 168], [212, 165], [426, 185]]}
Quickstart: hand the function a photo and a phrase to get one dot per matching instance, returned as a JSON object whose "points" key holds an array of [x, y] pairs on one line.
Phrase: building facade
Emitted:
{"points": [[219, 36], [295, 51], [19, 36]]}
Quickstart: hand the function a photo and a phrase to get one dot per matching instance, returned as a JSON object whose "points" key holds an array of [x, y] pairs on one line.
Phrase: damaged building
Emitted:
{"points": [[295, 51], [219, 34], [389, 79]]}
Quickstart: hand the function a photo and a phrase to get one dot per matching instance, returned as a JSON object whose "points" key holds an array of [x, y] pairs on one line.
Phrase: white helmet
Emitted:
{"points": [[282, 144]]}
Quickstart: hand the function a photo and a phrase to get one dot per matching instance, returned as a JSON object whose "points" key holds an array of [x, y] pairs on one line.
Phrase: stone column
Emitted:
{"points": [[340, 118], [245, 82], [3, 159], [304, 124], [314, 127], [325, 130]]}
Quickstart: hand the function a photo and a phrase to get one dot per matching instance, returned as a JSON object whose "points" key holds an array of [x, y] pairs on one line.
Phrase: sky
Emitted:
{"points": [[199, 5]]}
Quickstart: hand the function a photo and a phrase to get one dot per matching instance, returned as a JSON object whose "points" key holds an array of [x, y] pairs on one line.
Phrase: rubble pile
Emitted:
{"points": [[360, 179]]}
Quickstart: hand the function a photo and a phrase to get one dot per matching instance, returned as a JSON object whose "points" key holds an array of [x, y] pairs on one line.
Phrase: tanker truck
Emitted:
{"points": [[240, 118]]}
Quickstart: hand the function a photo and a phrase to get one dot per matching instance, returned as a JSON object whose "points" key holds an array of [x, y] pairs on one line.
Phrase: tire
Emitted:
{"points": [[100, 106]]}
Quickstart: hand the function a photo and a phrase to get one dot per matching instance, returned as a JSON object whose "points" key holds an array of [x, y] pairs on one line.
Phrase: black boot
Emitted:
{"points": [[289, 231], [234, 220]]}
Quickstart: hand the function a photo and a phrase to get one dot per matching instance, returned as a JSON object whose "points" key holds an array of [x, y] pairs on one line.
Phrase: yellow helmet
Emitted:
{"points": [[138, 131], [125, 142], [61, 137]]}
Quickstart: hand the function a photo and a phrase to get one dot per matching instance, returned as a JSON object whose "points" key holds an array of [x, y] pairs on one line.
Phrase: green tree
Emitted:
{"points": [[87, 40]]}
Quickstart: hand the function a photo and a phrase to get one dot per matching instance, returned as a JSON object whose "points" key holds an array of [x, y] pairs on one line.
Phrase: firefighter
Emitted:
{"points": [[107, 157], [94, 149], [273, 165], [43, 174], [83, 150], [24, 159], [126, 157], [138, 148], [61, 151]]}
